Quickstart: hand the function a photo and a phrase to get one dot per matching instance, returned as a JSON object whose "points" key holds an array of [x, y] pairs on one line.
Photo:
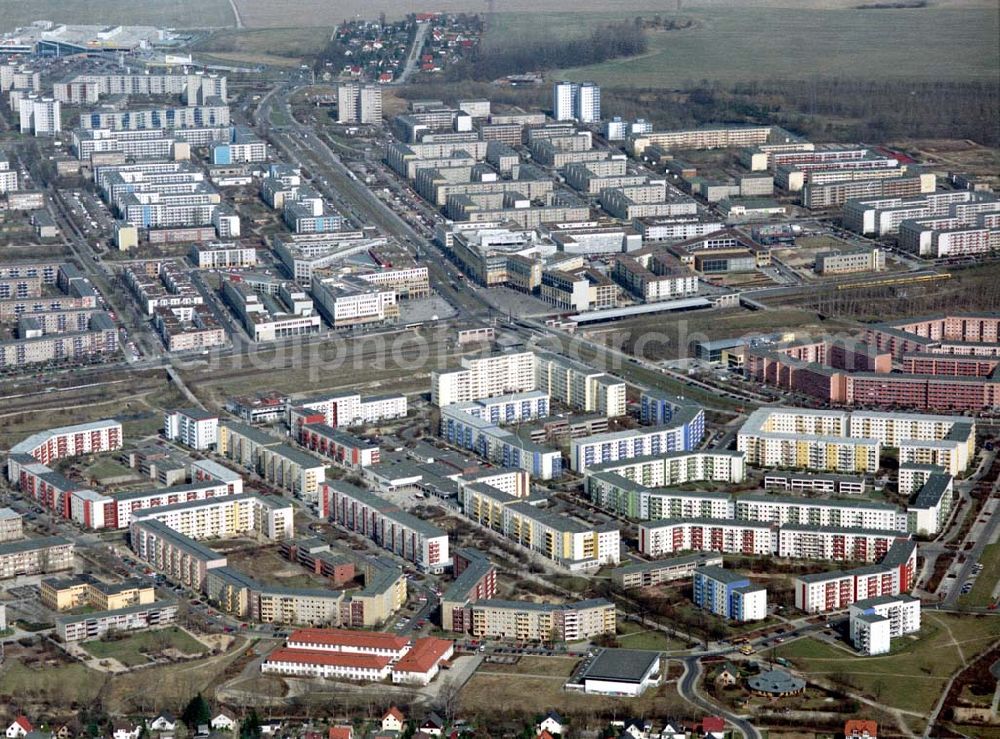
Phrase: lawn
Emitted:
{"points": [[107, 468], [914, 674], [179, 13], [731, 44], [132, 650], [634, 636], [982, 591]]}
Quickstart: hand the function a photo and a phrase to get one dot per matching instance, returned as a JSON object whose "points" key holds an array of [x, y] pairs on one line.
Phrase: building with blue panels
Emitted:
{"points": [[683, 433], [476, 426], [728, 594]]}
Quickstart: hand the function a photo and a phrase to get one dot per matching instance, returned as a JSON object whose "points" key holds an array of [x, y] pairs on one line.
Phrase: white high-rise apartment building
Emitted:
{"points": [[580, 101], [563, 100], [587, 105], [41, 116], [357, 103]]}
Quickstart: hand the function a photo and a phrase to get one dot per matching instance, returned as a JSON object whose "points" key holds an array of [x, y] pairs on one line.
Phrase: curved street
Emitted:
{"points": [[687, 686]]}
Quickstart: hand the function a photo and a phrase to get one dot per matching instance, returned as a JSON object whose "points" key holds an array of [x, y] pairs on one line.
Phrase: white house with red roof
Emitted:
{"points": [[393, 720], [20, 727]]}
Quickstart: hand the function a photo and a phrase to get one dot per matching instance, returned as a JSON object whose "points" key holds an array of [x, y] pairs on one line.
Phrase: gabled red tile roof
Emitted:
{"points": [[393, 711], [23, 722], [713, 723], [349, 638], [424, 654], [337, 659], [860, 726], [340, 732]]}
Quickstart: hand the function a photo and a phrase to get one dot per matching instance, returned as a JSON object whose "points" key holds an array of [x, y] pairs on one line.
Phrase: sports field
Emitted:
{"points": [[164, 13], [735, 44]]}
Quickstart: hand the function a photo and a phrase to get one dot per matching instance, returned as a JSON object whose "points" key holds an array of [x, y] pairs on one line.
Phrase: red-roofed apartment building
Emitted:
{"points": [[359, 655], [315, 663], [345, 640], [423, 662]]}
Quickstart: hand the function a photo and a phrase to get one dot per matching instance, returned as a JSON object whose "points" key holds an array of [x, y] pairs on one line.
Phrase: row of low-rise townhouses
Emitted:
{"points": [[895, 573], [229, 516], [374, 517], [281, 465], [564, 540], [875, 622], [843, 441], [683, 432]]}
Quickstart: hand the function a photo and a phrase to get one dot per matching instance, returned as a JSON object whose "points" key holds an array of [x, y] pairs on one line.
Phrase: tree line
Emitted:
{"points": [[540, 54]]}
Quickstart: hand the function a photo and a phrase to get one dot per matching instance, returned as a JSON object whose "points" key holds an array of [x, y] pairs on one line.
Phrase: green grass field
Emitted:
{"points": [[132, 650], [279, 46], [734, 44], [635, 636], [914, 674], [175, 14], [982, 592]]}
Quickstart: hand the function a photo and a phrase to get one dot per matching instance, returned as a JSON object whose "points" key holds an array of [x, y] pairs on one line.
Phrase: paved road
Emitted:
{"points": [[688, 688], [414, 58]]}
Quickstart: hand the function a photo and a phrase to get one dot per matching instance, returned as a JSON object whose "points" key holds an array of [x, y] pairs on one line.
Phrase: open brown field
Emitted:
{"points": [[174, 14], [273, 46], [265, 13], [536, 692]]}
